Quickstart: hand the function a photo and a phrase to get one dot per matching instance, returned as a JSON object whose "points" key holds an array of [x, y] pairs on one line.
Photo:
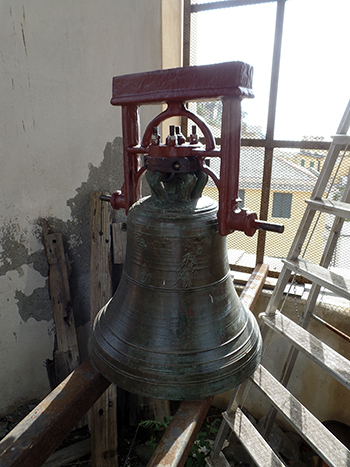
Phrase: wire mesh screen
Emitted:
{"points": [[246, 33], [235, 34]]}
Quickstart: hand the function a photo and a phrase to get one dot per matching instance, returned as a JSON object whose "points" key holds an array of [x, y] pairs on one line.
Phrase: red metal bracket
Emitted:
{"points": [[230, 82]]}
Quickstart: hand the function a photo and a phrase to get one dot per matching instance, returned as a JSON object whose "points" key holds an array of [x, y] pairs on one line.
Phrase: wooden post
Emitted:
{"points": [[104, 411], [66, 353]]}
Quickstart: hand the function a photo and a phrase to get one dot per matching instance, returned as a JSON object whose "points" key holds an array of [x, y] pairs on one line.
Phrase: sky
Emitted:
{"points": [[314, 85]]}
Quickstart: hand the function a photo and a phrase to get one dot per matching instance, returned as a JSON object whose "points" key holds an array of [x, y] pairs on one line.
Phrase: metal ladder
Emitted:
{"points": [[325, 444]]}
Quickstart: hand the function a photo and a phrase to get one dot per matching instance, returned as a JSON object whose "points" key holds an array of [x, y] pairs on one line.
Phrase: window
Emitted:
{"points": [[282, 129], [312, 164], [282, 205]]}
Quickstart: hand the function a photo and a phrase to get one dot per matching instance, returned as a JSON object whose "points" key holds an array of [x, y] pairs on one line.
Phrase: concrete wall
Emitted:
{"points": [[60, 140]]}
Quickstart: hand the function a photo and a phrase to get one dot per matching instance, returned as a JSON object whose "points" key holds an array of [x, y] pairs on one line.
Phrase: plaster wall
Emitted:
{"points": [[60, 140]]}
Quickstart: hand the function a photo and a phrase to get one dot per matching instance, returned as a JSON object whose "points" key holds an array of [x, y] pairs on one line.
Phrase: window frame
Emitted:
{"points": [[269, 143]]}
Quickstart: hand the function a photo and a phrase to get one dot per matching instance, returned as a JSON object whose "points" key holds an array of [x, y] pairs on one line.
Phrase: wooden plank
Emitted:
{"points": [[330, 360], [337, 208], [253, 287], [104, 412], [69, 454], [322, 276], [178, 438], [309, 427], [260, 451], [66, 353], [32, 441], [119, 242]]}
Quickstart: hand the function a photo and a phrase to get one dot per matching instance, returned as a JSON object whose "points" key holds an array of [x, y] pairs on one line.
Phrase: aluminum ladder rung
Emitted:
{"points": [[260, 451], [332, 451], [328, 359], [321, 276], [341, 139], [337, 208]]}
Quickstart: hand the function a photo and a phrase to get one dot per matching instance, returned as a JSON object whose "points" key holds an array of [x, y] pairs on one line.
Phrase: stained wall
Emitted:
{"points": [[60, 139]]}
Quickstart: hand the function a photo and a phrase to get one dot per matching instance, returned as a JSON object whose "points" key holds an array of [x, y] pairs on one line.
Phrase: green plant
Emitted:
{"points": [[157, 427]]}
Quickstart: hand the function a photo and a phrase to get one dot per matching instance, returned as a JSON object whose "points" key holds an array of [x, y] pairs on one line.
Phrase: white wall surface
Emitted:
{"points": [[57, 142]]}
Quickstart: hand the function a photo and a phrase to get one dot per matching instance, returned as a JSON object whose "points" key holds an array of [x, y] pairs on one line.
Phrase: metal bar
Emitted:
{"points": [[229, 168], [181, 433], [332, 328], [275, 143], [271, 117], [271, 144], [226, 4], [32, 441]]}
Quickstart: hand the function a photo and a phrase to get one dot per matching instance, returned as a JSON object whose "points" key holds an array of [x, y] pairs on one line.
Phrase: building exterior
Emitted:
{"points": [[290, 186]]}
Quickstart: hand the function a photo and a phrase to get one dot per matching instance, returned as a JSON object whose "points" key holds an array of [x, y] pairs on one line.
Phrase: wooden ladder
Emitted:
{"points": [[324, 443]]}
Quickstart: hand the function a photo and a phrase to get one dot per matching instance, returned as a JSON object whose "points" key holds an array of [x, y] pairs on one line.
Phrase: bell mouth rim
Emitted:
{"points": [[193, 388], [256, 352]]}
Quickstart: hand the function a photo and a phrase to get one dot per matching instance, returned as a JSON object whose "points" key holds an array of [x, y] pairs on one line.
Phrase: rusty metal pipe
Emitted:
{"points": [[332, 328]]}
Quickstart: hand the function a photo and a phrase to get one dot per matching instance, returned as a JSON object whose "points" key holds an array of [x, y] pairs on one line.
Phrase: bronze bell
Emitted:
{"points": [[175, 328]]}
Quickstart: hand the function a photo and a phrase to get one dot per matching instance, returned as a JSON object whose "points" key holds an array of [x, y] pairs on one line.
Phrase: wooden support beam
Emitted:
{"points": [[32, 441], [253, 287], [104, 412], [181, 433]]}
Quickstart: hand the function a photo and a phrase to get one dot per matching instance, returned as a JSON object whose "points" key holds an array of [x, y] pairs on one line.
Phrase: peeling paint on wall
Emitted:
{"points": [[108, 177], [14, 250], [36, 305], [14, 256], [25, 307]]}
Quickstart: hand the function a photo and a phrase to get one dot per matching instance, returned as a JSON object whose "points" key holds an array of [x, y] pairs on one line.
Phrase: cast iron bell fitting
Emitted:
{"points": [[175, 328]]}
